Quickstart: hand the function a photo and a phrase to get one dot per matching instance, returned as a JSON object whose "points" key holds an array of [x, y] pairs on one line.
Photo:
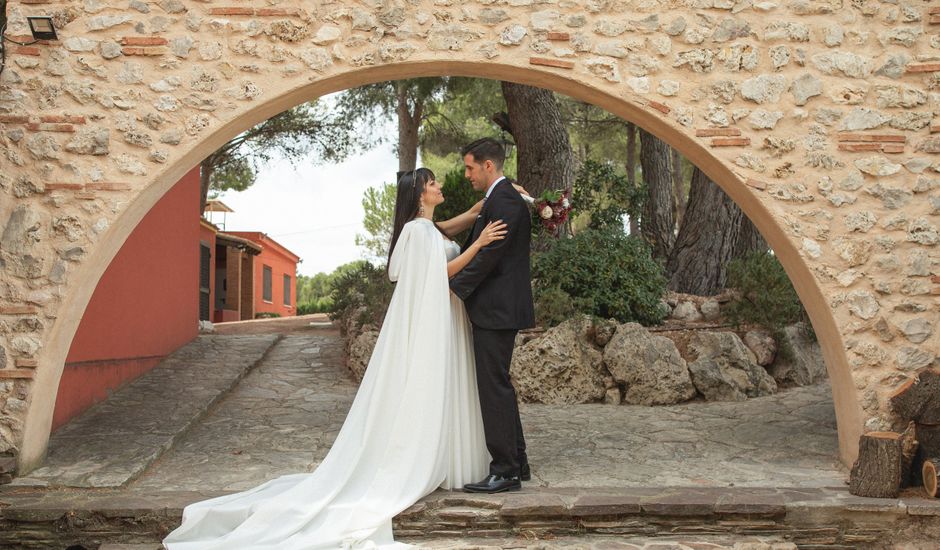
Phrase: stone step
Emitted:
{"points": [[810, 518], [584, 542], [115, 441]]}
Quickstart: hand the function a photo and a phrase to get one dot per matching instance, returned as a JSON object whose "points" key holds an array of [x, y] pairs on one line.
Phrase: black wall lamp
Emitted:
{"points": [[42, 28]]}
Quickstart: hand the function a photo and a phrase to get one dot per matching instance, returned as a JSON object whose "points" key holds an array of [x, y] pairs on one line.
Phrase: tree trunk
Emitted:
{"points": [[408, 125], [631, 173], [748, 240], [714, 231], [545, 159], [678, 185], [205, 176], [658, 224]]}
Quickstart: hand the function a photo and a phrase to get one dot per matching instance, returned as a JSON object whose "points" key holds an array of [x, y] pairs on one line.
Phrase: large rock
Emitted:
{"points": [[763, 345], [725, 370], [562, 367], [360, 351], [649, 367], [800, 361]]}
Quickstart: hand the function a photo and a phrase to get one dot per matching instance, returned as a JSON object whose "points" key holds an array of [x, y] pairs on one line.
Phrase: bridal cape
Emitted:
{"points": [[414, 425]]}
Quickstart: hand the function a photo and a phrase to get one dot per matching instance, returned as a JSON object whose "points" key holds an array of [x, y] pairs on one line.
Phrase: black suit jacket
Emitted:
{"points": [[496, 285]]}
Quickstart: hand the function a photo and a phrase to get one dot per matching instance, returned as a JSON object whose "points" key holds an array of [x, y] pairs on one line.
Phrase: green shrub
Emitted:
{"points": [[763, 295], [605, 196], [361, 295], [459, 196], [600, 272], [317, 305], [267, 315]]}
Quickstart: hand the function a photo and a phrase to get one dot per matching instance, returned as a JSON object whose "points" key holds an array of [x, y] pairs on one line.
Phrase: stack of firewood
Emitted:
{"points": [[890, 461]]}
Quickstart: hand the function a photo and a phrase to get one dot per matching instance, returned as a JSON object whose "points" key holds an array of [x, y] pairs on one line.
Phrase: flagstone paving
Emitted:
{"points": [[115, 440], [283, 417]]}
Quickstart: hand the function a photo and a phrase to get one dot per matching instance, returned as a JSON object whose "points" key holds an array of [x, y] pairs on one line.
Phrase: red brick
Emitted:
{"points": [[715, 132], [892, 148], [107, 186], [856, 147], [923, 68], [37, 2], [27, 50], [63, 119], [273, 12], [544, 61], [49, 127], [27, 363], [560, 36], [18, 310], [14, 119], [137, 50], [934, 20], [231, 10], [935, 279], [9, 374], [756, 184], [144, 41], [730, 142], [661, 107], [891, 138], [64, 187], [86, 196]]}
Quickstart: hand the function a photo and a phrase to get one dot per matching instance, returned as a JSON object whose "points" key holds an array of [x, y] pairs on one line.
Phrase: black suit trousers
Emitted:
{"points": [[501, 424]]}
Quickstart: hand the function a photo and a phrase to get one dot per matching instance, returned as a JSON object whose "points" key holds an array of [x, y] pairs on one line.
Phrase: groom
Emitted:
{"points": [[496, 289]]}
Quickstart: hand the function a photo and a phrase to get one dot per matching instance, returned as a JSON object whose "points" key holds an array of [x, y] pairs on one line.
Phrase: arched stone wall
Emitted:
{"points": [[814, 116]]}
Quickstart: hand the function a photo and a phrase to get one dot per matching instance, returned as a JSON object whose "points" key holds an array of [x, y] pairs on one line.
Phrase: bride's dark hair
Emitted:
{"points": [[407, 202]]}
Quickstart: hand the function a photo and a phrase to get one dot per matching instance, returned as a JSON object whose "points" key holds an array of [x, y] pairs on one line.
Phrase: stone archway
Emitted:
{"points": [[98, 126]]}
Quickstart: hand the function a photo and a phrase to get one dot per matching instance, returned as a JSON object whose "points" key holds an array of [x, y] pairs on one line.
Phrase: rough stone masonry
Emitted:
{"points": [[816, 116]]}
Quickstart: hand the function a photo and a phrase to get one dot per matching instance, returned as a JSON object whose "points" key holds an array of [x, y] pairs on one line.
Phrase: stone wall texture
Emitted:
{"points": [[816, 116]]}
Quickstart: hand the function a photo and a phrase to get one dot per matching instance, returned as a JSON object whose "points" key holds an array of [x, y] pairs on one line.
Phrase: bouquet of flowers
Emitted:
{"points": [[552, 209]]}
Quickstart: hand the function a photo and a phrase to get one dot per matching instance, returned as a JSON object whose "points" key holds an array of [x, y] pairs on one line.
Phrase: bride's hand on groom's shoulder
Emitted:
{"points": [[494, 231], [521, 189]]}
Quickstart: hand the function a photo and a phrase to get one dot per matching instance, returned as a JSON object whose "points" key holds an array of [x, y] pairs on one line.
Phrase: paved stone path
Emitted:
{"points": [[114, 441], [283, 417]]}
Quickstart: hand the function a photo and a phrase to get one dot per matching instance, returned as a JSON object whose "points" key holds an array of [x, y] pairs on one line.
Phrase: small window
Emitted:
{"points": [[287, 290], [266, 293]]}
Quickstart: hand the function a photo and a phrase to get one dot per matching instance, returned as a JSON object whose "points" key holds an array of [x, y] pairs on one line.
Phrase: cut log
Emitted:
{"points": [[877, 472], [928, 446], [931, 465], [909, 456], [919, 398]]}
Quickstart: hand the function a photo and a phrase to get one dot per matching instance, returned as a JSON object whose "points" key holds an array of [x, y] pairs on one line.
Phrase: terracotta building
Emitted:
{"points": [[274, 273], [148, 303]]}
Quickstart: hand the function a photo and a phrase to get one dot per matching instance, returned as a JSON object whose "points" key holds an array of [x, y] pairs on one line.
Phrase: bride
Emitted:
{"points": [[415, 424]]}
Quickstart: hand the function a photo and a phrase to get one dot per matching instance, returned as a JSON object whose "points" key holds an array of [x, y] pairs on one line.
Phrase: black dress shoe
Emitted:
{"points": [[525, 474], [494, 483]]}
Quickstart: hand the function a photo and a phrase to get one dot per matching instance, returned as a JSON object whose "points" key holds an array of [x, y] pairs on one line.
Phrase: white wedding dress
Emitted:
{"points": [[414, 426]]}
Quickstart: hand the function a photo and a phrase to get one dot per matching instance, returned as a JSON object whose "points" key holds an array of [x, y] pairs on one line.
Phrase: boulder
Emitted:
{"points": [[686, 311], [725, 369], [648, 366], [762, 345], [360, 351], [802, 363], [563, 367]]}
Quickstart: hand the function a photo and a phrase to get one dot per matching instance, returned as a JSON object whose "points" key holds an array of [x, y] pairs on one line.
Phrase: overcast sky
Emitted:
{"points": [[315, 211]]}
